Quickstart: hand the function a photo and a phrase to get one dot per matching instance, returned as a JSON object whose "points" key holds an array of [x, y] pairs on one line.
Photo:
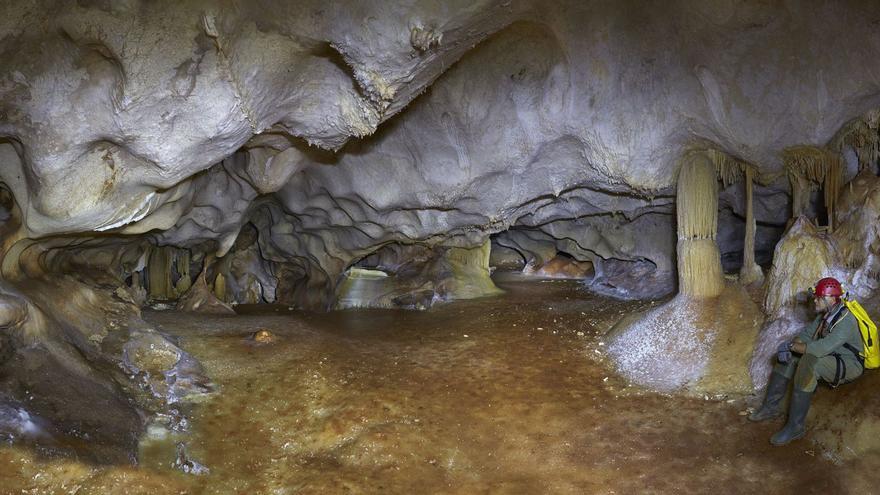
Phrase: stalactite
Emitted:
{"points": [[800, 194], [182, 263], [697, 210], [159, 273], [833, 183], [863, 137], [699, 260], [816, 165], [729, 169]]}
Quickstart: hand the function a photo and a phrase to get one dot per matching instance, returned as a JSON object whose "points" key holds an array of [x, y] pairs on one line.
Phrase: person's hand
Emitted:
{"points": [[783, 352]]}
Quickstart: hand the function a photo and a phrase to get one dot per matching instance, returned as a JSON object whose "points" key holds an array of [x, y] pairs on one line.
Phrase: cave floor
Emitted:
{"points": [[509, 394]]}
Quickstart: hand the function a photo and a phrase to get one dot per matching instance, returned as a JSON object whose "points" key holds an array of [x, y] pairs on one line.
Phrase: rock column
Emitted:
{"points": [[750, 271], [699, 260]]}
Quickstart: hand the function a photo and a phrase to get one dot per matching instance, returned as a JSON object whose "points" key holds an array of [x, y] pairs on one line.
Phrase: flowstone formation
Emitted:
{"points": [[321, 156], [700, 341], [690, 345]]}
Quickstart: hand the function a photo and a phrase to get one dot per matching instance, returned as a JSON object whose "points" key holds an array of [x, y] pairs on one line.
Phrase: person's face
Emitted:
{"points": [[823, 303]]}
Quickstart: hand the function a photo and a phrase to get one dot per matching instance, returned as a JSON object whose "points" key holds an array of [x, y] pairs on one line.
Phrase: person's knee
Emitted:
{"points": [[806, 376], [808, 362], [786, 369]]}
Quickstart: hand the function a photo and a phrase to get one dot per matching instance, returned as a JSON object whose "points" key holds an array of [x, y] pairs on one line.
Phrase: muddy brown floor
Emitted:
{"points": [[509, 394]]}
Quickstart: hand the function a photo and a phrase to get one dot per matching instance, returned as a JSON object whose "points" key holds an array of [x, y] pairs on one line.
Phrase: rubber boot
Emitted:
{"points": [[797, 414], [772, 406]]}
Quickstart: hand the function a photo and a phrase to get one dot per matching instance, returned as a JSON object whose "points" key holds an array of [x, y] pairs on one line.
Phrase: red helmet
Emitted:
{"points": [[828, 286]]}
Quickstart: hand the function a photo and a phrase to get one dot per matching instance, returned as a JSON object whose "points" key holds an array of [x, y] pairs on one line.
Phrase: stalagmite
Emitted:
{"points": [[699, 261], [200, 299], [137, 290], [220, 287]]}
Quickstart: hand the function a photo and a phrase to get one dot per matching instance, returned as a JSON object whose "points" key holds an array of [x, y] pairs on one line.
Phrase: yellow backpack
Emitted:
{"points": [[869, 333]]}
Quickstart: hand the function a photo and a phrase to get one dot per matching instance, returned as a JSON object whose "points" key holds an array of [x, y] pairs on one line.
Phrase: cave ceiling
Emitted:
{"points": [[338, 127]]}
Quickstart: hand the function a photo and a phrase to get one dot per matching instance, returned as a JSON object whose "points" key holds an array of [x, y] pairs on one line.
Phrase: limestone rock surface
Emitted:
{"points": [[91, 368]]}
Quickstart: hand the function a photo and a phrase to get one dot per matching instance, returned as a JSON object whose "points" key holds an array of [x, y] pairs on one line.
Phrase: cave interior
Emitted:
{"points": [[429, 247]]}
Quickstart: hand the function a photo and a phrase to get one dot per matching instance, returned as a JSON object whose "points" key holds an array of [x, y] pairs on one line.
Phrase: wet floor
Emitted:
{"points": [[509, 394]]}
